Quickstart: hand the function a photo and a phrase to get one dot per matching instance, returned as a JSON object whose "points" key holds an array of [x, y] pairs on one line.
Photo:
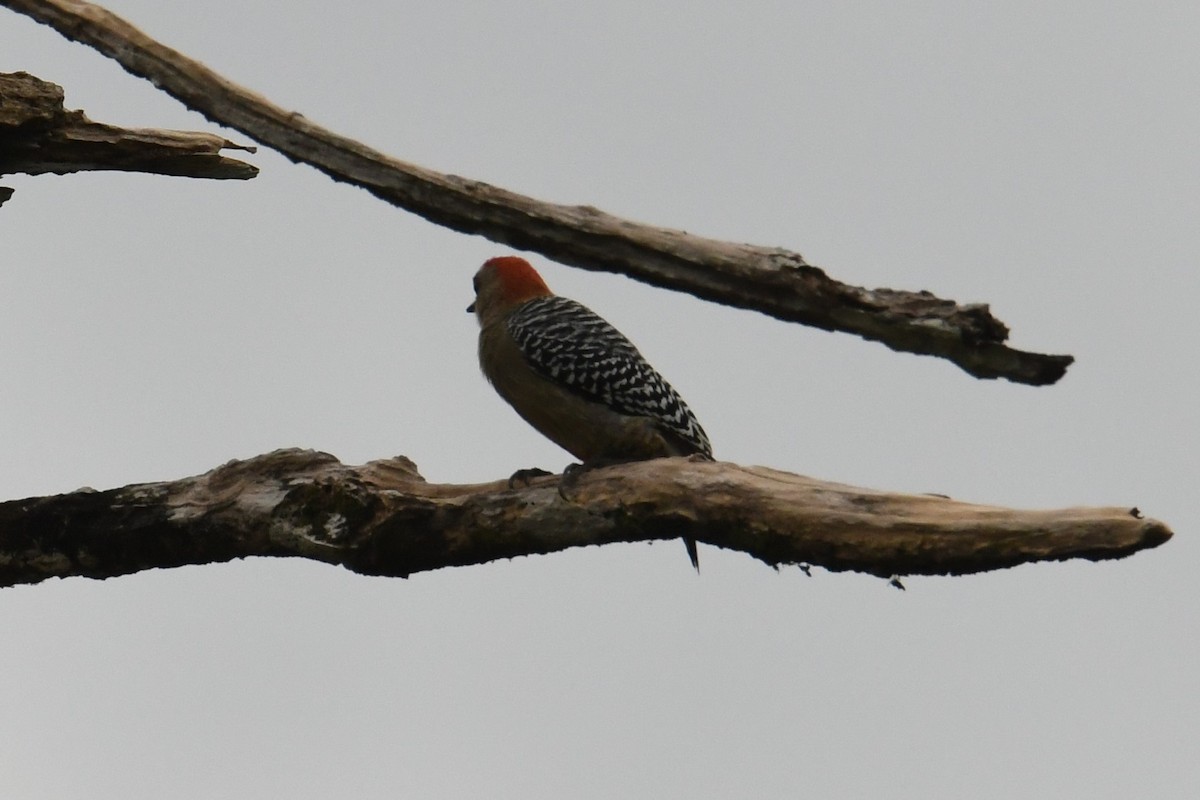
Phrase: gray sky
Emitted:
{"points": [[1043, 160]]}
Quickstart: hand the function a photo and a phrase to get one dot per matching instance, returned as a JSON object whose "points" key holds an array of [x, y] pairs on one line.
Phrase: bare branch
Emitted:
{"points": [[39, 135], [774, 281], [384, 519]]}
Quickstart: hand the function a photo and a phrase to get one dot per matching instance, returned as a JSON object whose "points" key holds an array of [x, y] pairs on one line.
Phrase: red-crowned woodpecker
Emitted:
{"points": [[574, 377]]}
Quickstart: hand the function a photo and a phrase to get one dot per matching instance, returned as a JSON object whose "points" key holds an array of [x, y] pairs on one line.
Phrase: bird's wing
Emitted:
{"points": [[569, 344]]}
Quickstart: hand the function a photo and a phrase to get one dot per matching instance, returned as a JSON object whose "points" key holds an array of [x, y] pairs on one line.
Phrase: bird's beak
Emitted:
{"points": [[471, 308]]}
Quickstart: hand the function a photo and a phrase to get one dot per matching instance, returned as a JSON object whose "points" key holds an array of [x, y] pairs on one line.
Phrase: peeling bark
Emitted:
{"points": [[771, 280], [382, 518], [38, 135]]}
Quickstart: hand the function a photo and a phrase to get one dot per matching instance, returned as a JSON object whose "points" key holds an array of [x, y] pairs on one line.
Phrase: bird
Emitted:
{"points": [[574, 377]]}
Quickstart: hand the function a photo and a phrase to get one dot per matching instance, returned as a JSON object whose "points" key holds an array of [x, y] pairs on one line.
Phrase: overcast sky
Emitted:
{"points": [[1038, 157]]}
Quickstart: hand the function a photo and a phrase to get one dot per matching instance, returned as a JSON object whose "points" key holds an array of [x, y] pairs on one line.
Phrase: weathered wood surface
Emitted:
{"points": [[39, 135], [382, 518]]}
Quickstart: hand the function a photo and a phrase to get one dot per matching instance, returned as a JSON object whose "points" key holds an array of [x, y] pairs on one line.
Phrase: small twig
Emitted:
{"points": [[38, 135]]}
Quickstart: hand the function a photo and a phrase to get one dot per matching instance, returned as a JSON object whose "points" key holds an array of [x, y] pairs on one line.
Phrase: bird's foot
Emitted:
{"points": [[524, 477], [570, 477], [574, 472]]}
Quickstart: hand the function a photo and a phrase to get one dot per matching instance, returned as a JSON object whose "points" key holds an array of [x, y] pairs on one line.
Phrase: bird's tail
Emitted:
{"points": [[690, 544]]}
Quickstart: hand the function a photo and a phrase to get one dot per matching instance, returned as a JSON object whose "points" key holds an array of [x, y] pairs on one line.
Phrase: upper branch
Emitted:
{"points": [[774, 281], [38, 135], [384, 519]]}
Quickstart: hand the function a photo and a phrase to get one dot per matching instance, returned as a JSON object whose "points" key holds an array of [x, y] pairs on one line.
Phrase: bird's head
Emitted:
{"points": [[503, 283]]}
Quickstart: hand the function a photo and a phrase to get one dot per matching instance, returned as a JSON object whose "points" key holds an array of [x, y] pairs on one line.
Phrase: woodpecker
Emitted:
{"points": [[576, 378]]}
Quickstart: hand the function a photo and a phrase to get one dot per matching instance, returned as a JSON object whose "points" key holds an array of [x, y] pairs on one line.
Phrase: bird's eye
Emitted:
{"points": [[475, 284]]}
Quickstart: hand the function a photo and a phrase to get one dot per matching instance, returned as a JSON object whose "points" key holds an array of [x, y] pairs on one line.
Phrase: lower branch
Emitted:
{"points": [[383, 518]]}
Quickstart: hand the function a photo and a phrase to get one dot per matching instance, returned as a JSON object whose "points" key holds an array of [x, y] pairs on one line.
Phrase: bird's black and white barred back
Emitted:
{"points": [[568, 343]]}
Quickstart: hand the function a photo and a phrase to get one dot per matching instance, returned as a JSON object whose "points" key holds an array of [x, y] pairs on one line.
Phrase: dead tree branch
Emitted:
{"points": [[38, 135], [772, 280], [384, 519]]}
